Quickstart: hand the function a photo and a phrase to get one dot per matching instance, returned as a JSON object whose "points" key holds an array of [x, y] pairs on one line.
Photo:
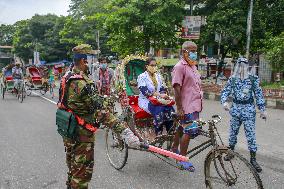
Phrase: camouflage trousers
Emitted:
{"points": [[80, 155], [80, 162]]}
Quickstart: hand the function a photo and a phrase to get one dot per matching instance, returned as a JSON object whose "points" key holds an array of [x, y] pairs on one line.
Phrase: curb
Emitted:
{"points": [[270, 103]]}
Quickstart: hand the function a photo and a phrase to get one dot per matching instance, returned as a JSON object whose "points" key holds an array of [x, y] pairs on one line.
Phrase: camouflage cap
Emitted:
{"points": [[84, 49]]}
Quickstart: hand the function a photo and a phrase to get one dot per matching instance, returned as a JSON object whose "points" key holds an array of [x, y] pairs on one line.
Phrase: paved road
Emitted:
{"points": [[32, 153]]}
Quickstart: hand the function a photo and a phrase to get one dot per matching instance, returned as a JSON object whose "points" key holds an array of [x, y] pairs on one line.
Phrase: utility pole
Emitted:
{"points": [[191, 7], [249, 24], [98, 40]]}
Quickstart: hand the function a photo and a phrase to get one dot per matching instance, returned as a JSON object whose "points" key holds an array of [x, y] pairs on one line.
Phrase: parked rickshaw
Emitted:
{"points": [[35, 81], [235, 173], [7, 84]]}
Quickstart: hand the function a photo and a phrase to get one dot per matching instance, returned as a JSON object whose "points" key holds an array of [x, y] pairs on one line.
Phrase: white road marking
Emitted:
{"points": [[44, 98]]}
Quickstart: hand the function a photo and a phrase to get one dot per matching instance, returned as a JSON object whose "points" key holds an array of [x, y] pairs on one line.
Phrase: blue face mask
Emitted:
{"points": [[192, 55], [103, 66]]}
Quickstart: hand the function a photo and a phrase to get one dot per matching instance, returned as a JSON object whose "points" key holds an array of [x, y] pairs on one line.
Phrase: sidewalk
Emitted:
{"points": [[270, 102]]}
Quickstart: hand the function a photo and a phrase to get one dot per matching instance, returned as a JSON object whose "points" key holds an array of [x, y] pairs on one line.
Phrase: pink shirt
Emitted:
{"points": [[189, 80]]}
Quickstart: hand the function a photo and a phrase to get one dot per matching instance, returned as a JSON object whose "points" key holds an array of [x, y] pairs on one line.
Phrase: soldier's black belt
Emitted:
{"points": [[249, 101]]}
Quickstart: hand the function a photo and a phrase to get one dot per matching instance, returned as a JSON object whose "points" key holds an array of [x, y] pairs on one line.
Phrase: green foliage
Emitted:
{"points": [[81, 26], [22, 40], [41, 32], [6, 34], [230, 18], [135, 26], [274, 85], [275, 52]]}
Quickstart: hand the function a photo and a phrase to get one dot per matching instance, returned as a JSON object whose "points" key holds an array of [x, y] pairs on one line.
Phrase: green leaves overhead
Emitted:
{"points": [[230, 18], [6, 34], [135, 26], [41, 32], [274, 48]]}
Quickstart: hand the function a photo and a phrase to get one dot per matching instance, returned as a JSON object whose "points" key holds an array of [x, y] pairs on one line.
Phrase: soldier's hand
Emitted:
{"points": [[263, 115]]}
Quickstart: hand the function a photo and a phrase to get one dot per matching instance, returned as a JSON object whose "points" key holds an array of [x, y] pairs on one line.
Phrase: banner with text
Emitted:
{"points": [[191, 27]]}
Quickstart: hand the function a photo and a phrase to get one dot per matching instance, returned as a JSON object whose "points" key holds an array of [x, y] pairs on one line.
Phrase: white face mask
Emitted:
{"points": [[241, 70]]}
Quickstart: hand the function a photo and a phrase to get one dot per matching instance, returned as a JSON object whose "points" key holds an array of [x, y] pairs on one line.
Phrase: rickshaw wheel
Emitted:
{"points": [[21, 95], [28, 90], [43, 91], [2, 91], [116, 150]]}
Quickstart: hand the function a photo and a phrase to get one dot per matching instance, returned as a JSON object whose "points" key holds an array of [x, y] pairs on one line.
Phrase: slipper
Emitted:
{"points": [[186, 166]]}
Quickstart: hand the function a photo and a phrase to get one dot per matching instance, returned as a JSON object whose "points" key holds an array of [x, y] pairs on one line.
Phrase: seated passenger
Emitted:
{"points": [[150, 84]]}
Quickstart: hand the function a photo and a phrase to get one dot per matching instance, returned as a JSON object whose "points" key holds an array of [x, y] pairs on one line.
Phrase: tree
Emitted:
{"points": [[275, 52], [22, 40], [230, 18], [41, 32], [81, 25], [135, 26], [6, 34]]}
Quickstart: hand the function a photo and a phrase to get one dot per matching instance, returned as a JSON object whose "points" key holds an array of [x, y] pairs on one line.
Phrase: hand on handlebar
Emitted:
{"points": [[180, 114]]}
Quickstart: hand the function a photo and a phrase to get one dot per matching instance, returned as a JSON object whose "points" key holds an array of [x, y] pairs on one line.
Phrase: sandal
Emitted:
{"points": [[186, 166]]}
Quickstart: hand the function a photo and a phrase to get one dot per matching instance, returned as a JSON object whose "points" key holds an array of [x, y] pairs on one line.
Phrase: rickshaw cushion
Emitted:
{"points": [[139, 113], [34, 72], [36, 78], [9, 78], [133, 100]]}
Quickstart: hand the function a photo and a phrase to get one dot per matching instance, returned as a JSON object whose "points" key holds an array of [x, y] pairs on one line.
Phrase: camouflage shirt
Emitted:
{"points": [[80, 102]]}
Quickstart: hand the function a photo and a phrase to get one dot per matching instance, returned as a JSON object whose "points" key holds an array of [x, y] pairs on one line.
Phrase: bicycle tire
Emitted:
{"points": [[3, 91], [43, 91], [28, 91], [229, 178], [22, 94], [113, 142]]}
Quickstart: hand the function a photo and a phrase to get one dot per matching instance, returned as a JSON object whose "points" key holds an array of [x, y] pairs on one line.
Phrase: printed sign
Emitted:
{"points": [[191, 27]]}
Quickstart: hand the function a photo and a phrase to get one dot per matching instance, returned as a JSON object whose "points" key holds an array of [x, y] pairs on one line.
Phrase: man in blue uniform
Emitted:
{"points": [[243, 87]]}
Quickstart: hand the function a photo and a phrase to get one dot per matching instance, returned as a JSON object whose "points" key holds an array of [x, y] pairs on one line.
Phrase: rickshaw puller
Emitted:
{"points": [[17, 74]]}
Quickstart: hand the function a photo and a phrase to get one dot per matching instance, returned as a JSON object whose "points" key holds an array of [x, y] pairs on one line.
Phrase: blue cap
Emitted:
{"points": [[79, 56]]}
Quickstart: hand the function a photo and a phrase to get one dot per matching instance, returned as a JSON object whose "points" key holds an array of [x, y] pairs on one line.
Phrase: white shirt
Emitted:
{"points": [[144, 80]]}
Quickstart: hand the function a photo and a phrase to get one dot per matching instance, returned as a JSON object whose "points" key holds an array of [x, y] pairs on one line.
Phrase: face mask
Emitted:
{"points": [[103, 66], [192, 55], [152, 69]]}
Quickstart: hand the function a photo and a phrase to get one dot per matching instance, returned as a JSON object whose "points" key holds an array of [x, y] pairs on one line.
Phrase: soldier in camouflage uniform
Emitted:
{"points": [[80, 152], [244, 88]]}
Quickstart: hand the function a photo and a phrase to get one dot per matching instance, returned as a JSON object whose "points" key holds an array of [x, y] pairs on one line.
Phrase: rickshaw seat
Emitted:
{"points": [[9, 78], [139, 113]]}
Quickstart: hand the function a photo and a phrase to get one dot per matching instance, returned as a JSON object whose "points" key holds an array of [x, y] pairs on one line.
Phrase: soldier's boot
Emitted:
{"points": [[229, 156], [254, 163]]}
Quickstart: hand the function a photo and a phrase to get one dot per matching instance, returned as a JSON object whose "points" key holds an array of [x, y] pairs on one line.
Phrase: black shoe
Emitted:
{"points": [[254, 163], [228, 157]]}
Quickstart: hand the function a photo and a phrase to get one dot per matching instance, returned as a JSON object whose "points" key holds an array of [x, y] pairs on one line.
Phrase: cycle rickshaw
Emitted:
{"points": [[235, 173], [7, 84], [35, 81]]}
